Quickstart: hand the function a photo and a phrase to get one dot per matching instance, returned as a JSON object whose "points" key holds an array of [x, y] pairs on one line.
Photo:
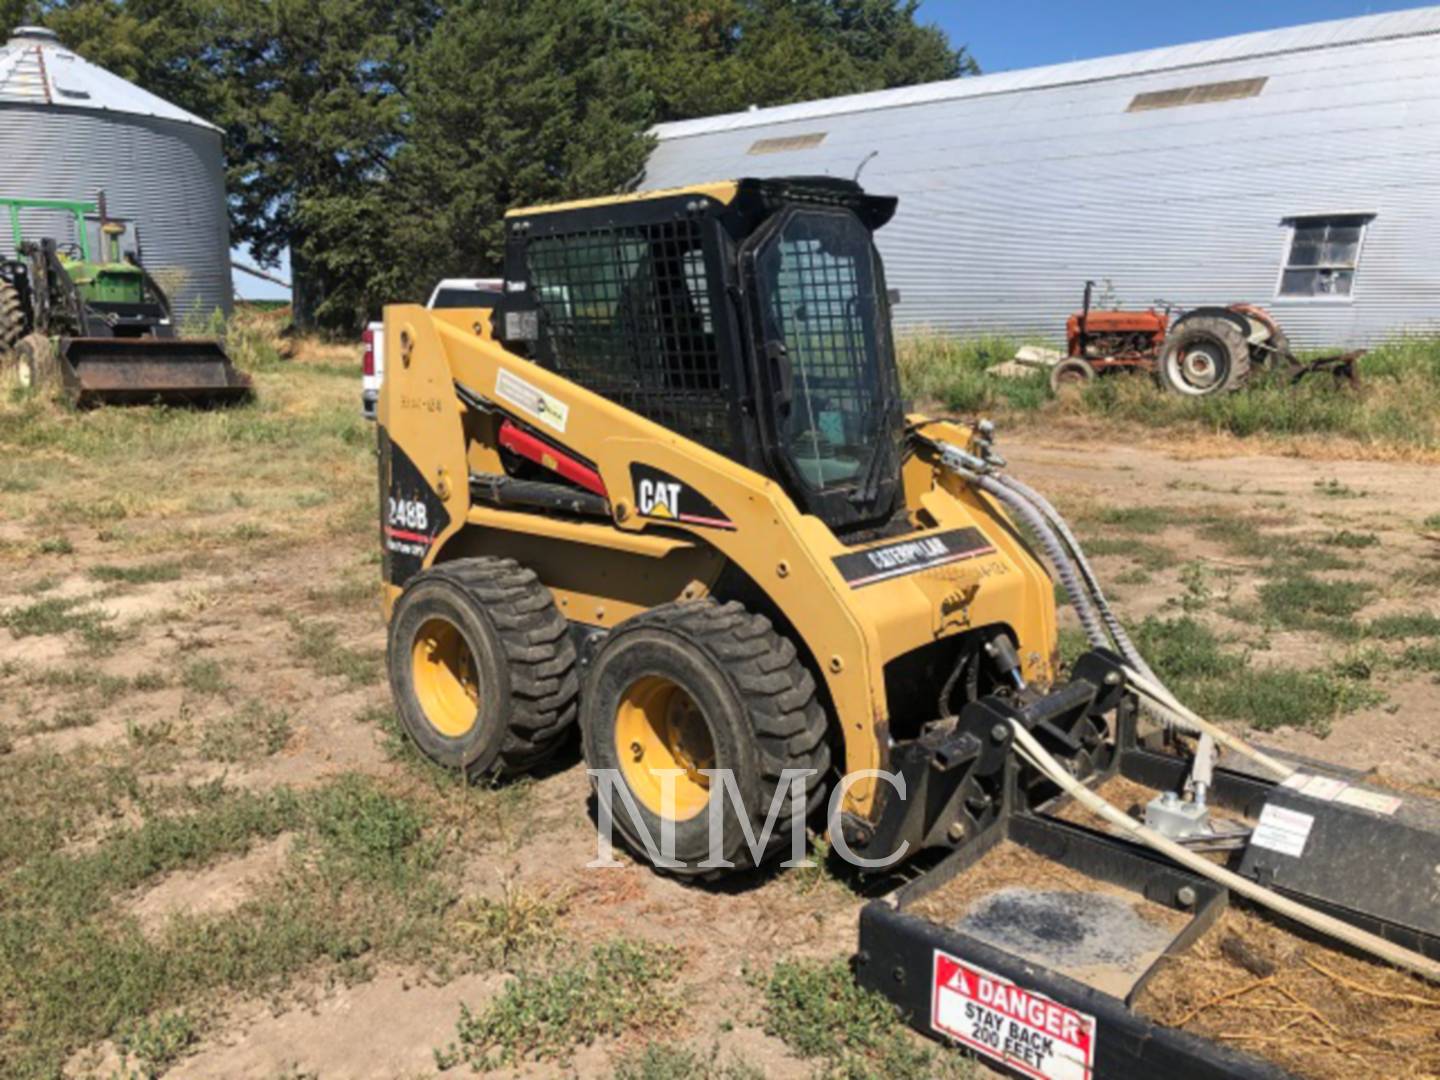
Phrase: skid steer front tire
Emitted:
{"points": [[703, 685], [482, 667]]}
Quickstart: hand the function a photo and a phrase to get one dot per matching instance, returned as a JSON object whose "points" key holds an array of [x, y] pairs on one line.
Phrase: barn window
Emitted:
{"points": [[1323, 256], [786, 143], [1202, 94]]}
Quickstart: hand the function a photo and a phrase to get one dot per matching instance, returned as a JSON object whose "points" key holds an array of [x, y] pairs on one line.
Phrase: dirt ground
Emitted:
{"points": [[193, 630]]}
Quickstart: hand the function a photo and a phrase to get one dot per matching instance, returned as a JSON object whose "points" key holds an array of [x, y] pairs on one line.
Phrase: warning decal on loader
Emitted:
{"points": [[1028, 1032], [531, 400]]}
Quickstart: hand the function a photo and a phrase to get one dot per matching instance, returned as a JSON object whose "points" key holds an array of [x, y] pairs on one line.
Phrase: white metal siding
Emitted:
{"points": [[1010, 200], [166, 176]]}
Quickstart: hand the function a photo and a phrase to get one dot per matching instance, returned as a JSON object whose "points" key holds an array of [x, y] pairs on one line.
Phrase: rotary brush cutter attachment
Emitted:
{"points": [[1100, 833]]}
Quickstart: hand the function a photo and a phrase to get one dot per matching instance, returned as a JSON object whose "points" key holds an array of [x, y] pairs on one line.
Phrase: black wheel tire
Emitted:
{"points": [[12, 316], [1204, 356], [1073, 372], [36, 367], [520, 659], [761, 709]]}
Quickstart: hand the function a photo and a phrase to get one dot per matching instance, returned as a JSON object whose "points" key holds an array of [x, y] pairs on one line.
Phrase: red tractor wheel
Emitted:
{"points": [[1072, 373], [1204, 356]]}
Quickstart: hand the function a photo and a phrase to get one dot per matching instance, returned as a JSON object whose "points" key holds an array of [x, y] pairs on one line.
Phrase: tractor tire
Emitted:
{"points": [[482, 667], [695, 685], [1073, 373], [12, 317], [36, 366], [1204, 355]]}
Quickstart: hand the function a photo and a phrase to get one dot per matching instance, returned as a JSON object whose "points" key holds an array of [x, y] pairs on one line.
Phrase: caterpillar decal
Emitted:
{"points": [[661, 496]]}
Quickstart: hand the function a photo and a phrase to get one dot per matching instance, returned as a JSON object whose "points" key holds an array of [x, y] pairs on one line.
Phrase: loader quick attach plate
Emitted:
{"points": [[990, 981], [126, 370]]}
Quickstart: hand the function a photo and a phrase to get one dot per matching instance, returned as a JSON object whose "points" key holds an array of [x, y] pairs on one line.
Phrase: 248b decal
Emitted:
{"points": [[411, 515]]}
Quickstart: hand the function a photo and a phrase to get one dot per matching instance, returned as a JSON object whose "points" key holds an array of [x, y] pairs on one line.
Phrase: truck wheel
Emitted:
{"points": [[703, 685], [1204, 355], [482, 667]]}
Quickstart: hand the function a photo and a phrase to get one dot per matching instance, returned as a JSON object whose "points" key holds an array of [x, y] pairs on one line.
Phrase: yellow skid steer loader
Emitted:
{"points": [[667, 490]]}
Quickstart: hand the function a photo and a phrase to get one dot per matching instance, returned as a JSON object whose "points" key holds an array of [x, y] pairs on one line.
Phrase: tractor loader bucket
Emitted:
{"points": [[196, 371]]}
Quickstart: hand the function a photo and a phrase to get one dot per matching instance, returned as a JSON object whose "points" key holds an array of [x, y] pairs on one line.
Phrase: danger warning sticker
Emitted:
{"points": [[1026, 1031]]}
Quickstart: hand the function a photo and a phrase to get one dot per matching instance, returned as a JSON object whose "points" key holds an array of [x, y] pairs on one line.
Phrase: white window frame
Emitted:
{"points": [[1290, 222]]}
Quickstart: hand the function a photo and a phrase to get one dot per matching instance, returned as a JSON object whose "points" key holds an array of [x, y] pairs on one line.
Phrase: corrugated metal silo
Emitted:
{"points": [[69, 129]]}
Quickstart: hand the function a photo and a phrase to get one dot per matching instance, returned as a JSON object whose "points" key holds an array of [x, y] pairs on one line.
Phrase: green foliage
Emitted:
{"points": [[821, 1012], [1347, 539], [75, 968], [1398, 401], [320, 646], [382, 142], [54, 615], [663, 1061], [157, 1042], [621, 985], [205, 677], [135, 575], [1420, 624], [364, 829], [1300, 601], [252, 732], [1225, 685], [951, 372]]}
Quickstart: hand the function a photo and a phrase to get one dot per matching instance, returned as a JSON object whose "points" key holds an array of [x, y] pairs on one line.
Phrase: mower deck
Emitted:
{"points": [[1031, 944]]}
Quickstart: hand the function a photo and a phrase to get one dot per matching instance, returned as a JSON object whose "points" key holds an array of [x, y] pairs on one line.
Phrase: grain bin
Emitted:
{"points": [[69, 129]]}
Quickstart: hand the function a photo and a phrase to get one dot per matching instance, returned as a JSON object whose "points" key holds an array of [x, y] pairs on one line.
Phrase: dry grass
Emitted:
{"points": [[1303, 1005]]}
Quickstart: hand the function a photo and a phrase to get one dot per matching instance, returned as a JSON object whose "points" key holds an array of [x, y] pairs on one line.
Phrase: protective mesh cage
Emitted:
{"points": [[817, 280], [625, 312]]}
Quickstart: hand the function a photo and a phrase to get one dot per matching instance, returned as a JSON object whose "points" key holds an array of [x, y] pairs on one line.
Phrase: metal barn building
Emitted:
{"points": [[1298, 169], [69, 129]]}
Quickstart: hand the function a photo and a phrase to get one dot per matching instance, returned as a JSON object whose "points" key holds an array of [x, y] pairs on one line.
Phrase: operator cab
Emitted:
{"points": [[750, 316]]}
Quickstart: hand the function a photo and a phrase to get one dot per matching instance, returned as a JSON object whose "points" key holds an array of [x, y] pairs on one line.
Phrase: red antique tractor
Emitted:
{"points": [[1208, 350]]}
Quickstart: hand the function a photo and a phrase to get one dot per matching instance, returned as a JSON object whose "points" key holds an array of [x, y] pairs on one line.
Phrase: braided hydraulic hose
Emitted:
{"points": [[1037, 512]]}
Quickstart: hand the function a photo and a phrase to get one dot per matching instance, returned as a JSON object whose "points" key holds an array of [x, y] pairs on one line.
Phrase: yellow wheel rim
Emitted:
{"points": [[662, 740], [446, 683]]}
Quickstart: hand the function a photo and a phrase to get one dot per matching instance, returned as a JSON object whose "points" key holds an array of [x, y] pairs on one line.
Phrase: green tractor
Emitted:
{"points": [[100, 329]]}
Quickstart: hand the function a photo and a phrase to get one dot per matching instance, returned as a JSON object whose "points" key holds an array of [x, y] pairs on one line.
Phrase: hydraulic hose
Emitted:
{"points": [[1059, 542], [1318, 921], [1054, 551], [1062, 528]]}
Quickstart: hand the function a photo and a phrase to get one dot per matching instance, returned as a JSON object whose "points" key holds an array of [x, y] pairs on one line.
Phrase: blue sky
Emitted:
{"points": [[1017, 34], [1020, 35]]}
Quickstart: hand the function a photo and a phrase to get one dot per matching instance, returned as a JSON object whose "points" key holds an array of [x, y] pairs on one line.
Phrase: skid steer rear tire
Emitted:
{"points": [[1204, 355], [741, 700], [482, 667]]}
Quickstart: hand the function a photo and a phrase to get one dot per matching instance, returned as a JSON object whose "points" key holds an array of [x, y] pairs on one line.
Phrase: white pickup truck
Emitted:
{"points": [[450, 293]]}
